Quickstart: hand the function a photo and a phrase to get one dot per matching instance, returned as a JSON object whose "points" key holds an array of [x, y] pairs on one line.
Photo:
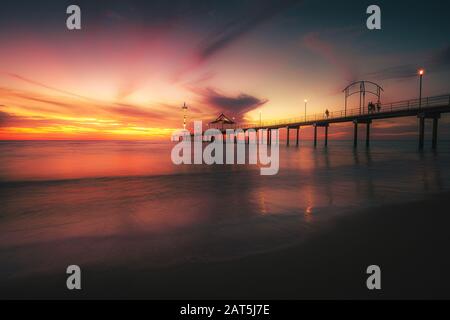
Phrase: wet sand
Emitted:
{"points": [[410, 242]]}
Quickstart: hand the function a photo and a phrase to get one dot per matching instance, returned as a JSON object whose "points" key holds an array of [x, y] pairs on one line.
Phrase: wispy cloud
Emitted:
{"points": [[45, 86], [257, 15], [437, 61], [317, 43], [250, 18], [30, 108]]}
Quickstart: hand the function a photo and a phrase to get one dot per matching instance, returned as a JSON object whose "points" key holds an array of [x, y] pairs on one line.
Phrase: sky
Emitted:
{"points": [[128, 71]]}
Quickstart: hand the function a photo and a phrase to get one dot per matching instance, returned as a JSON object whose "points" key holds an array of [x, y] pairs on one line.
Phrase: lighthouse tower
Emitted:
{"points": [[184, 107]]}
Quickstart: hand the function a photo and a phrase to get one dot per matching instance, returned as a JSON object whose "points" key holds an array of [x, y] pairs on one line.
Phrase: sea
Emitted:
{"points": [[125, 204]]}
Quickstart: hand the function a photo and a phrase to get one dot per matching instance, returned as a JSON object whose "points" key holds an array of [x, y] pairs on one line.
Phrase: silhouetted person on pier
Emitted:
{"points": [[378, 106], [327, 113], [371, 107]]}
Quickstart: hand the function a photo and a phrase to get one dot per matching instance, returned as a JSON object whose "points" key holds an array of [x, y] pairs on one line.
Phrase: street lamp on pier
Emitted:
{"points": [[306, 102], [421, 73]]}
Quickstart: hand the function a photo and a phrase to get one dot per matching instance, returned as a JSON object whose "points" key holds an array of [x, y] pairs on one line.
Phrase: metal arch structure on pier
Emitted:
{"points": [[362, 93], [426, 108]]}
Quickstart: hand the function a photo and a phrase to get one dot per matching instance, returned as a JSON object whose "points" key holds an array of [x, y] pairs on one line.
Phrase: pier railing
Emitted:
{"points": [[385, 108]]}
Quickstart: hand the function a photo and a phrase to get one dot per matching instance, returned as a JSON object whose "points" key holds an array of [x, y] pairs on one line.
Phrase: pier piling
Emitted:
{"points": [[315, 135], [435, 132], [287, 139], [368, 134], [355, 134], [421, 131]]}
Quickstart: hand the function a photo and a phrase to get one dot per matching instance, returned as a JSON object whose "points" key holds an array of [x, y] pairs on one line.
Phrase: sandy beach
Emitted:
{"points": [[330, 265]]}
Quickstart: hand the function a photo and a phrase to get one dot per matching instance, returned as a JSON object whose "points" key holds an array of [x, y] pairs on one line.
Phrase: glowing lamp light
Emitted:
{"points": [[421, 72]]}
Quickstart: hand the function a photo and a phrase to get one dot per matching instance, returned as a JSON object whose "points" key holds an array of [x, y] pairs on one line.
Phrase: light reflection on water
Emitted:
{"points": [[125, 202]]}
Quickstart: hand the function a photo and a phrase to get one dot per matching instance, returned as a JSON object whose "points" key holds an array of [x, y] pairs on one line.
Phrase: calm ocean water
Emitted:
{"points": [[125, 203]]}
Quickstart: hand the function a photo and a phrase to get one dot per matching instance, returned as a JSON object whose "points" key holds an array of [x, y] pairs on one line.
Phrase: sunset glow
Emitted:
{"points": [[224, 159], [126, 75]]}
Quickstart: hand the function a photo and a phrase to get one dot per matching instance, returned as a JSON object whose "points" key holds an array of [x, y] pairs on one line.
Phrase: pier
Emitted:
{"points": [[428, 108]]}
